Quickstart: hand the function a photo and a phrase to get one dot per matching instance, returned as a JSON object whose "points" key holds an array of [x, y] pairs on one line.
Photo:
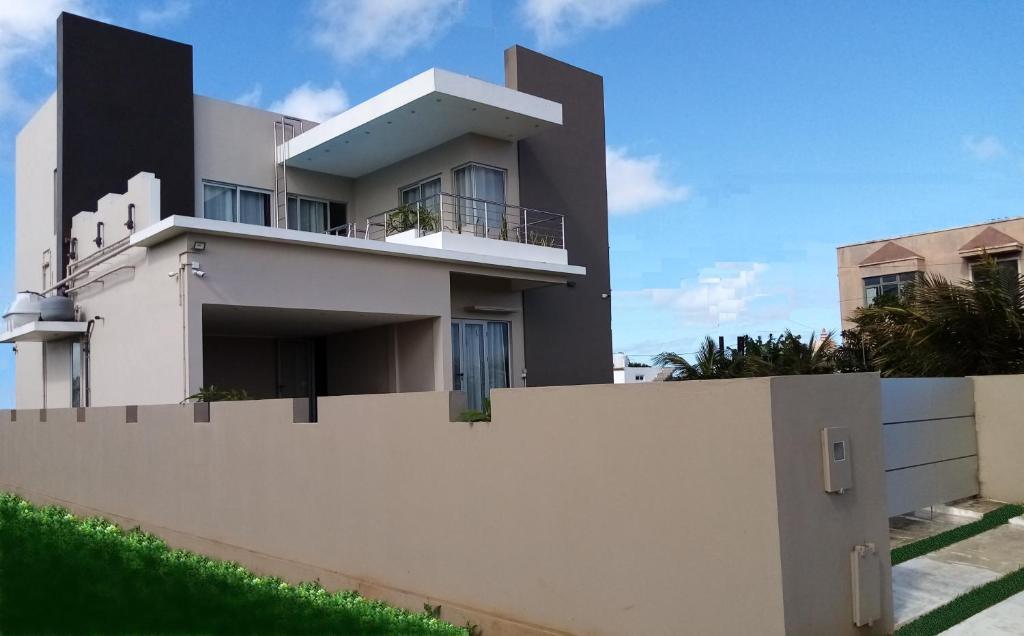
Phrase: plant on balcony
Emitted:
{"points": [[540, 238], [403, 219], [214, 393]]}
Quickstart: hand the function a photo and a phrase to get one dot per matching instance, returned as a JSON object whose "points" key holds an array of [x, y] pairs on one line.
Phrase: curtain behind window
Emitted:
{"points": [[312, 215], [497, 356], [253, 207], [218, 202]]}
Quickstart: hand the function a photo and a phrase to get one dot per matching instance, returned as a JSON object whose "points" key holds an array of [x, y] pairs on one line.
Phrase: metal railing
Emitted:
{"points": [[444, 212]]}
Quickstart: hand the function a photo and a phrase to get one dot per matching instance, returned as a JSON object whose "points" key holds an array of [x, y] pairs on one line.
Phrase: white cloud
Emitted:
{"points": [[984, 147], [251, 97], [637, 183], [170, 11], [26, 29], [721, 294], [353, 29], [558, 21], [314, 104]]}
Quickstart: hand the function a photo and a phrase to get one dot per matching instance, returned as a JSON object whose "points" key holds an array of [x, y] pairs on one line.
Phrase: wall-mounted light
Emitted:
{"points": [[199, 246]]}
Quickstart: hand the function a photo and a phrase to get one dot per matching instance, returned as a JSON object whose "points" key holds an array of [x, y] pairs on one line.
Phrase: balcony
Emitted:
{"points": [[464, 224]]}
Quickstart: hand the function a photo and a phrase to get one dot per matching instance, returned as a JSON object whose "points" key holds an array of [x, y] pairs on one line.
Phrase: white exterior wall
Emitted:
{"points": [[35, 163]]}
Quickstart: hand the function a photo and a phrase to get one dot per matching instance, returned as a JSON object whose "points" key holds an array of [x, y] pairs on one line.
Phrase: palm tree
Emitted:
{"points": [[710, 363], [940, 328]]}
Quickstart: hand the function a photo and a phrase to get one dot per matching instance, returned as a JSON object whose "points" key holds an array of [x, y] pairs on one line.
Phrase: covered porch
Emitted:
{"points": [[288, 353]]}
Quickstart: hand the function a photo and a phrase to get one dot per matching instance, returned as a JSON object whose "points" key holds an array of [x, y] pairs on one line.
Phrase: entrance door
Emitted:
{"points": [[294, 368], [480, 358]]}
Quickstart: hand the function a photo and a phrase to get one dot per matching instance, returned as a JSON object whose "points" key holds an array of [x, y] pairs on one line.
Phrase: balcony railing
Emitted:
{"points": [[445, 212]]}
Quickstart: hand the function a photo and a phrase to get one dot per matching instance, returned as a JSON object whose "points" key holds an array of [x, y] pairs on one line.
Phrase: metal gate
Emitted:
{"points": [[931, 448]]}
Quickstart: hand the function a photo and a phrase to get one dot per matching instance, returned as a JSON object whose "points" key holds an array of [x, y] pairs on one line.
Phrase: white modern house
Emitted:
{"points": [[624, 371], [436, 236]]}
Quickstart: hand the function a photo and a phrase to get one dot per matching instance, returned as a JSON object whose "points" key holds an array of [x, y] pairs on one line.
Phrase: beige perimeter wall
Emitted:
{"points": [[674, 508], [999, 417]]}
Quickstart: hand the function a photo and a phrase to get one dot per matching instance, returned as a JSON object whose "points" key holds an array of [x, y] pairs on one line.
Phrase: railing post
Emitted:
{"points": [[487, 233], [526, 226], [562, 218]]}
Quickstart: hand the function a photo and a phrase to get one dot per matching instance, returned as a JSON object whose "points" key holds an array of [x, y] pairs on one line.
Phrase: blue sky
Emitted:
{"points": [[746, 139]]}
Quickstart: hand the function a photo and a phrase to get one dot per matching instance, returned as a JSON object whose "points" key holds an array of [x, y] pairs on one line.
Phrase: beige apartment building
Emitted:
{"points": [[446, 234], [868, 270]]}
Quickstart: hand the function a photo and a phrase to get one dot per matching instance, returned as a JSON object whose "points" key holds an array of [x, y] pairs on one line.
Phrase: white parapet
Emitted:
{"points": [[141, 201]]}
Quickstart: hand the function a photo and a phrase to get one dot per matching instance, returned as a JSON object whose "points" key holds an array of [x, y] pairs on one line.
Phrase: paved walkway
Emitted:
{"points": [[930, 581]]}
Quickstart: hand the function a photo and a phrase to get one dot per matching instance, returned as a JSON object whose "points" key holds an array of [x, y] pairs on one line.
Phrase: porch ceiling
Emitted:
{"points": [[234, 320], [423, 112]]}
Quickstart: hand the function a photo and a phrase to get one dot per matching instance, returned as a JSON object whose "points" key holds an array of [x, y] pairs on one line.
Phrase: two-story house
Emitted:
{"points": [[445, 234]]}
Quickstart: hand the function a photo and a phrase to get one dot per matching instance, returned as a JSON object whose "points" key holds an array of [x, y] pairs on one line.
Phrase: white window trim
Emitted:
{"points": [[238, 199], [299, 198], [417, 184], [483, 321]]}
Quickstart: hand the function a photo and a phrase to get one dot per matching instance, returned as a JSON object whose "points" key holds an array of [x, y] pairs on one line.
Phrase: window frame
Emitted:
{"points": [[900, 282], [419, 184], [299, 198], [487, 166], [971, 264], [461, 322], [238, 201]]}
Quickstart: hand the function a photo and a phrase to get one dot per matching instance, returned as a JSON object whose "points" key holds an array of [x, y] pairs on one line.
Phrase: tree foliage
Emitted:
{"points": [[943, 328], [786, 354]]}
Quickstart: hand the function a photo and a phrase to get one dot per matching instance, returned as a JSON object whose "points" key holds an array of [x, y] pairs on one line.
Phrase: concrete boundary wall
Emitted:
{"points": [[668, 508], [931, 450], [999, 411]]}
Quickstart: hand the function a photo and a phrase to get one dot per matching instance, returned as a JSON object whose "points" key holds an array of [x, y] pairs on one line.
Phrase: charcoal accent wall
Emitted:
{"points": [[124, 106], [568, 330]]}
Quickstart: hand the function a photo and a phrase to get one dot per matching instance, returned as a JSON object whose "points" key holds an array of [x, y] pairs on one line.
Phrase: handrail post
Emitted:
{"points": [[526, 226], [562, 218]]}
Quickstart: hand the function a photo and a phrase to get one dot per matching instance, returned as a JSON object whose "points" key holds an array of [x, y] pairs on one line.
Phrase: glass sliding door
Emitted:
{"points": [[481, 195], [308, 215], [218, 202], [226, 202], [480, 358]]}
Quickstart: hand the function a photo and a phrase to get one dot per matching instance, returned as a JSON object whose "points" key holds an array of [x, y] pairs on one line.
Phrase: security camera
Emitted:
{"points": [[198, 272]]}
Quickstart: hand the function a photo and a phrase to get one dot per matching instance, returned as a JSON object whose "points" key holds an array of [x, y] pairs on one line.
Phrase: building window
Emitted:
{"points": [[426, 194], [1008, 267], [76, 374], [225, 202], [480, 358], [887, 285], [481, 199], [308, 215]]}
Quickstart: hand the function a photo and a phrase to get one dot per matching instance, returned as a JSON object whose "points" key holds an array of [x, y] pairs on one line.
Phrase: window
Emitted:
{"points": [[76, 374], [1009, 267], [480, 358], [888, 284], [308, 215], [224, 202], [426, 194], [481, 198]]}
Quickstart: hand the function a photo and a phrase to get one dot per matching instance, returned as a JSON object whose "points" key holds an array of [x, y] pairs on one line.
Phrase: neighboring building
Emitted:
{"points": [[868, 270], [623, 373], [421, 240]]}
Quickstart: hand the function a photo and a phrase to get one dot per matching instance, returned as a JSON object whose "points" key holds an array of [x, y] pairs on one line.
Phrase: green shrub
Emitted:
{"points": [[61, 574], [214, 393]]}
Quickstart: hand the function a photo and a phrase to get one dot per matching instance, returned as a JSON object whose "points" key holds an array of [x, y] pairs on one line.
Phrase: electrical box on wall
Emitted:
{"points": [[866, 571], [835, 449]]}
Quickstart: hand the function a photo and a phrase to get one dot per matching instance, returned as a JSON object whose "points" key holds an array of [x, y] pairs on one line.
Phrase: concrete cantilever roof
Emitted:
{"points": [[416, 115]]}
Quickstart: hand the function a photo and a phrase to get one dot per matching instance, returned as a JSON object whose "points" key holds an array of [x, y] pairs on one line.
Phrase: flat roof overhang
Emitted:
{"points": [[176, 225], [421, 113], [43, 331]]}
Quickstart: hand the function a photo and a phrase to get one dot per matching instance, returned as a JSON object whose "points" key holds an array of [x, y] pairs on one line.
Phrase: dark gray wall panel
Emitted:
{"points": [[568, 329], [124, 106]]}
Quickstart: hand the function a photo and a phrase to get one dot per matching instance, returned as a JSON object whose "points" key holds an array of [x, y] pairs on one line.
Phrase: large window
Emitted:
{"points": [[888, 284], [225, 202], [308, 215], [481, 203], [480, 358], [1008, 267]]}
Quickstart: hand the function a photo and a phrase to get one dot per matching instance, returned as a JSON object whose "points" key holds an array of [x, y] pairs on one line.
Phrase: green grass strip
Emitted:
{"points": [[965, 606], [989, 520], [62, 574]]}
